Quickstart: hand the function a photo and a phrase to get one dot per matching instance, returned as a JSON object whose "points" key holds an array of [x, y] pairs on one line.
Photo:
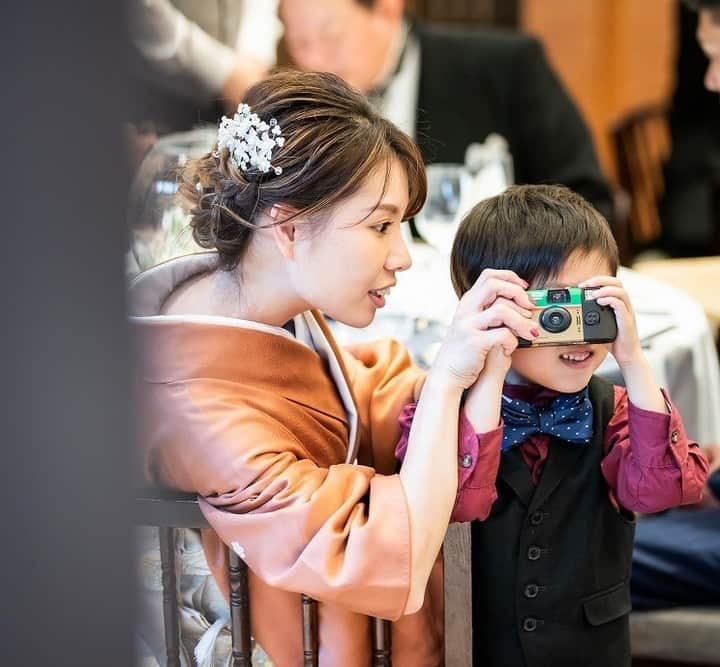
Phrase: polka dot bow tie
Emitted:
{"points": [[568, 417]]}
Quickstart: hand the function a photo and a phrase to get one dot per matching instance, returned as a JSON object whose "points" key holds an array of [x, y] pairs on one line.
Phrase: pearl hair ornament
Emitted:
{"points": [[250, 140]]}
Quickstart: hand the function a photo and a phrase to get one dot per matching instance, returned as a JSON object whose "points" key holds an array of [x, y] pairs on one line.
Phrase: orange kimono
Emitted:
{"points": [[289, 442]]}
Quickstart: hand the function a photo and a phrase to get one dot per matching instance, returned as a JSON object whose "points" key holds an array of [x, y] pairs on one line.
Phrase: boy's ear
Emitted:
{"points": [[284, 229]]}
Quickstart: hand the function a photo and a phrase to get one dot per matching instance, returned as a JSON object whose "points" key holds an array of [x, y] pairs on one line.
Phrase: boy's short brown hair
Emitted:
{"points": [[531, 230]]}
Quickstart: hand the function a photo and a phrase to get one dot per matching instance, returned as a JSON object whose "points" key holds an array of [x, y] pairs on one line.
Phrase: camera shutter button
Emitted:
{"points": [[592, 318]]}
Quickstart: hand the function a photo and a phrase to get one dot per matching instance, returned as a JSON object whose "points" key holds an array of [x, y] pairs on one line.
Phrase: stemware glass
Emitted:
{"points": [[158, 224], [437, 222]]}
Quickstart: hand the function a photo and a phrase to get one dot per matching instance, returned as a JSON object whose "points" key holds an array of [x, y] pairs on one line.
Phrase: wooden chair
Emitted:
{"points": [[642, 145], [170, 510]]}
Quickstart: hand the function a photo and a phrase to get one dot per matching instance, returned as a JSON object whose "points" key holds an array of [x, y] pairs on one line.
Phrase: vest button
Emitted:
{"points": [[537, 517], [530, 624], [466, 461], [534, 552], [531, 591]]}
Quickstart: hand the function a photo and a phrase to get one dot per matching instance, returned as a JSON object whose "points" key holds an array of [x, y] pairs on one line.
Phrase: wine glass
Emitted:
{"points": [[158, 224], [437, 222]]}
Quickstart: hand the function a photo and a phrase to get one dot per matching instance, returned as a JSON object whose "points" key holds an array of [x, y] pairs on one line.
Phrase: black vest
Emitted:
{"points": [[551, 564]]}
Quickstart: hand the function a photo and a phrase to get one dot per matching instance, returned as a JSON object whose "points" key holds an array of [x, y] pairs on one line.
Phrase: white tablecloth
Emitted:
{"points": [[677, 339]]}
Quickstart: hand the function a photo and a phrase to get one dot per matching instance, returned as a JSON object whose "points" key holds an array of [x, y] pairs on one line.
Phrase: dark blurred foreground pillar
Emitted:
{"points": [[66, 438]]}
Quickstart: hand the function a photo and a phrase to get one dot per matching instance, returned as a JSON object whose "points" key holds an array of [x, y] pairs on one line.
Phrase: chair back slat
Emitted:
{"points": [[171, 510], [239, 612], [642, 145], [310, 632], [170, 596], [382, 643]]}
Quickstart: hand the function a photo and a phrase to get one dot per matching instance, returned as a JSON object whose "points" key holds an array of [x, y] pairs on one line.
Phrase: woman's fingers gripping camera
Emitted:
{"points": [[493, 313], [507, 314], [493, 284]]}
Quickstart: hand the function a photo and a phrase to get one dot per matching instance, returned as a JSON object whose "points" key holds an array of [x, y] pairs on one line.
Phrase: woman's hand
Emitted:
{"points": [[493, 313]]}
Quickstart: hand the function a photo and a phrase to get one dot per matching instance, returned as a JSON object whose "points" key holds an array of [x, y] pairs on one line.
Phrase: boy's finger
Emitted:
{"points": [[504, 338], [613, 291], [615, 303], [597, 281]]}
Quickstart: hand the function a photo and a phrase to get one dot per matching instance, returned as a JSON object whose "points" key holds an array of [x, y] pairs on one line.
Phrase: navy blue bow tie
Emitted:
{"points": [[568, 417]]}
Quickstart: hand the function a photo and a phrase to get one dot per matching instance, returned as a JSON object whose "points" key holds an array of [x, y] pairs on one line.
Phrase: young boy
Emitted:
{"points": [[554, 461]]}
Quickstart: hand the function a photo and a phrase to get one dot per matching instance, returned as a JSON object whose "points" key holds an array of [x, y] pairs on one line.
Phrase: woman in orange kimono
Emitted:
{"points": [[287, 439]]}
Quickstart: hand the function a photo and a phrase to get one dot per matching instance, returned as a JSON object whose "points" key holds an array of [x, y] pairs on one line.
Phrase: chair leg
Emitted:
{"points": [[170, 596], [310, 632], [382, 643], [240, 612]]}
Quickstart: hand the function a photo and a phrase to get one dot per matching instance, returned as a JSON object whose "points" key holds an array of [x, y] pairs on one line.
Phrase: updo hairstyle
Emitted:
{"points": [[334, 140]]}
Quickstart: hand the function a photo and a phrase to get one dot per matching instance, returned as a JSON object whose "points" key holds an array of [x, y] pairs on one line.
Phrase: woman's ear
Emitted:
{"points": [[283, 229]]}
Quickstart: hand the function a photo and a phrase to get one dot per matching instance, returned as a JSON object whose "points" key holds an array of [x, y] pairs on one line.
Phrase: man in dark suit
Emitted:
{"points": [[450, 88]]}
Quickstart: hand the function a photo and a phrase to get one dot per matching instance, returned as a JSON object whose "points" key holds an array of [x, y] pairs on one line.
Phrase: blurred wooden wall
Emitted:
{"points": [[612, 55], [486, 12]]}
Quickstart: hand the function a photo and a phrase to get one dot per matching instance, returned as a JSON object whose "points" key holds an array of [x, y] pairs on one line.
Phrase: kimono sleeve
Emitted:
{"points": [[337, 534], [383, 380]]}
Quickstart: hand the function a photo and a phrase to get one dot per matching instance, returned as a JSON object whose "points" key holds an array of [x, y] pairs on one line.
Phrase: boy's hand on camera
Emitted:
{"points": [[493, 313], [609, 291], [641, 387], [497, 363], [482, 402]]}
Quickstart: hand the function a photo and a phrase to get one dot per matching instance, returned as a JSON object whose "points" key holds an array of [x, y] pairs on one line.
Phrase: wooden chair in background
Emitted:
{"points": [[171, 510], [642, 145]]}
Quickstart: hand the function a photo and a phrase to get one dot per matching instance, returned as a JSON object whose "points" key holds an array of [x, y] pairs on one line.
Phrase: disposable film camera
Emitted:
{"points": [[570, 316]]}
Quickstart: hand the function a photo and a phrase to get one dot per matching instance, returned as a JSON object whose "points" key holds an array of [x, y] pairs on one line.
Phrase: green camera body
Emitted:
{"points": [[570, 316]]}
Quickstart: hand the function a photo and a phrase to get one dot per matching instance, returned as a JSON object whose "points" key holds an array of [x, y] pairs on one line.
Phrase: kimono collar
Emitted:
{"points": [[175, 348]]}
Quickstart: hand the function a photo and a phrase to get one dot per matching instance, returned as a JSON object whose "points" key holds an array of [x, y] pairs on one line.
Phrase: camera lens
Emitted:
{"points": [[555, 319]]}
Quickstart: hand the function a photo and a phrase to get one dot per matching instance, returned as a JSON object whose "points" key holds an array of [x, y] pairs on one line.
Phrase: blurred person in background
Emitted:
{"points": [[193, 61], [689, 208], [676, 560], [450, 88]]}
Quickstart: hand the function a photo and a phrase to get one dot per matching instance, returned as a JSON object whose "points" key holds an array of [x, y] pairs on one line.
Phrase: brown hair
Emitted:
{"points": [[333, 141], [713, 6], [531, 230]]}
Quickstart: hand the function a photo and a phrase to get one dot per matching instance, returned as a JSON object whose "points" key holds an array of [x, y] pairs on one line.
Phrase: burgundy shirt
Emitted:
{"points": [[650, 464]]}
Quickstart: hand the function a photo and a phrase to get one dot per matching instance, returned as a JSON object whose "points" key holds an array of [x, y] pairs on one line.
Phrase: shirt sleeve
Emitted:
{"points": [[180, 53], [650, 464], [478, 463]]}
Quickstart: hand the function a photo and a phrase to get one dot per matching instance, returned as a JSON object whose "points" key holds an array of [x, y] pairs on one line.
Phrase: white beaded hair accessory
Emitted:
{"points": [[250, 140]]}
